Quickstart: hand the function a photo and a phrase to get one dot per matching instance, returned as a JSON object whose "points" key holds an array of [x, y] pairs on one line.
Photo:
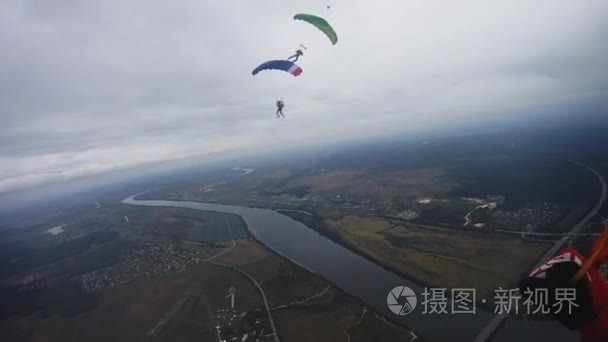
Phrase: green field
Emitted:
{"points": [[193, 322], [215, 228], [196, 318], [186, 224], [439, 256]]}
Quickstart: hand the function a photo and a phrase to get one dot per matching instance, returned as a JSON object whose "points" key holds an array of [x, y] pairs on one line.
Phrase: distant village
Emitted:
{"points": [[535, 216], [147, 261], [246, 326], [252, 325], [144, 261]]}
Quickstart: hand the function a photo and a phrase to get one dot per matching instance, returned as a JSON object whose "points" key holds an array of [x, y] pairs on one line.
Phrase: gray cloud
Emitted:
{"points": [[93, 86]]}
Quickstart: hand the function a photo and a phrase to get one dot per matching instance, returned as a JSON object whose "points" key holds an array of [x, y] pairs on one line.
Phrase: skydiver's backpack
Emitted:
{"points": [[589, 315], [554, 276]]}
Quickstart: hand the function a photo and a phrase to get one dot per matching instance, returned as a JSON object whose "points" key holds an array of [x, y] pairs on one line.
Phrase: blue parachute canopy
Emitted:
{"points": [[282, 65]]}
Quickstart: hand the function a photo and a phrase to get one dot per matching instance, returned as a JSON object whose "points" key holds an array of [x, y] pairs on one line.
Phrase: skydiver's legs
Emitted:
{"points": [[278, 111], [281, 111]]}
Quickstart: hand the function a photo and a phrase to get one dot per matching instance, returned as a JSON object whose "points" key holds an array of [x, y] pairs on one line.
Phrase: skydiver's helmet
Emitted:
{"points": [[557, 274]]}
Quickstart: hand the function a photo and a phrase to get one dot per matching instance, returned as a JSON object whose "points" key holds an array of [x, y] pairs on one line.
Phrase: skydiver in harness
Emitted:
{"points": [[296, 56], [570, 270], [280, 104]]}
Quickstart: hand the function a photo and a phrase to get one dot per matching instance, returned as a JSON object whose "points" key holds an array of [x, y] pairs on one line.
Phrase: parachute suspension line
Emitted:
{"points": [[599, 248]]}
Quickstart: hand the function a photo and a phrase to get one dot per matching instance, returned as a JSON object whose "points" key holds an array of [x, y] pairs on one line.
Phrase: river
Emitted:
{"points": [[352, 273]]}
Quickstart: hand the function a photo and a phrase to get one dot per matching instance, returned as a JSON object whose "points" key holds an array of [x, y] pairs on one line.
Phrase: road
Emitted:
{"points": [[354, 325], [523, 234], [497, 321], [259, 287], [316, 295], [294, 211], [169, 314], [274, 329], [226, 250]]}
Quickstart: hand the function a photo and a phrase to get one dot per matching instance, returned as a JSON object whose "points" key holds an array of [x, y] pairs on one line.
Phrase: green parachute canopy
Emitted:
{"points": [[319, 23]]}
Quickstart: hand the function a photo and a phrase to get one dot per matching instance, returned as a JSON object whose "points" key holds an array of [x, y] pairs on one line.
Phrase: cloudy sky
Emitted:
{"points": [[89, 86]]}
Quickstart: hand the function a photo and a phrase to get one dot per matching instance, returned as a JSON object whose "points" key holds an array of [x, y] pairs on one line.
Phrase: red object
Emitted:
{"points": [[596, 330], [297, 71]]}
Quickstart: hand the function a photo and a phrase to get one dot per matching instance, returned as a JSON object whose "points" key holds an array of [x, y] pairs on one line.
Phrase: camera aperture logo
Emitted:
{"points": [[401, 300]]}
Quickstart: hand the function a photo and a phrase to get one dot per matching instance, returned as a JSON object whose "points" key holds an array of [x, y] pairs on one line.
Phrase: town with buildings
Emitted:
{"points": [[532, 217], [251, 325], [338, 202], [143, 261]]}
